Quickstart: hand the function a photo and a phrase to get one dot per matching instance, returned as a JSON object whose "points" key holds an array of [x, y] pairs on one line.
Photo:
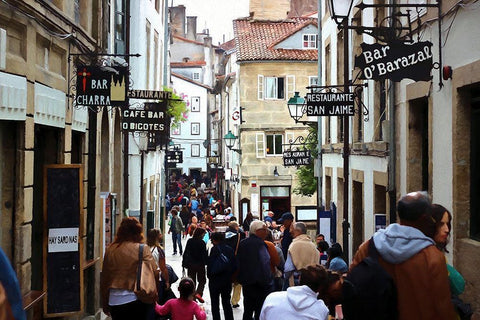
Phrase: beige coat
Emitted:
{"points": [[119, 269], [303, 251]]}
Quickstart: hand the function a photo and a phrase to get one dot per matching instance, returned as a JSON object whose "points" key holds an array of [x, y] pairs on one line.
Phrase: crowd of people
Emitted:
{"points": [[277, 266]]}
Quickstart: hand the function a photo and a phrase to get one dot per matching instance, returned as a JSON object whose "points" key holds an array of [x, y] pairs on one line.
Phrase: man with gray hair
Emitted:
{"points": [[254, 270], [408, 254], [302, 253]]}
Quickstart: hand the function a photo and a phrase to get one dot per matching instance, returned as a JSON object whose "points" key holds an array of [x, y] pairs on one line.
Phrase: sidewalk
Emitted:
{"points": [[176, 262]]}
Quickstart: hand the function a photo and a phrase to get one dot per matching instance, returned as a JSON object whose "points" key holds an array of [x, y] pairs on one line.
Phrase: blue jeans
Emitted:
{"points": [[177, 238]]}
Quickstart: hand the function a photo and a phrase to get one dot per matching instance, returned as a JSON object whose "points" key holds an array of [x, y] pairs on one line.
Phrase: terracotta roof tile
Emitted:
{"points": [[255, 39], [187, 64]]}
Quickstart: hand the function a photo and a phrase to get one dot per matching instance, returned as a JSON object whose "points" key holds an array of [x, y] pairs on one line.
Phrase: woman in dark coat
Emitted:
{"points": [[195, 259], [220, 276]]}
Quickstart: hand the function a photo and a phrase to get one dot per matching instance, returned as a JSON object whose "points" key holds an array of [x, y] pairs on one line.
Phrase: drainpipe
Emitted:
{"points": [[319, 119], [392, 190]]}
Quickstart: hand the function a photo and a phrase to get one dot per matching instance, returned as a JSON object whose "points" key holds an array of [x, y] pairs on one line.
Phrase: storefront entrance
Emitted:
{"points": [[276, 199]]}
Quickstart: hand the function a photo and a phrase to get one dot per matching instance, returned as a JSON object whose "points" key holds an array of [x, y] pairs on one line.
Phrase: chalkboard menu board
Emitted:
{"points": [[63, 197]]}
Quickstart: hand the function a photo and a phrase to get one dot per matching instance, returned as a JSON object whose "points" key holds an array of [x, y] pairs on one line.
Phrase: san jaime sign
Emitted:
{"points": [[330, 104], [396, 61]]}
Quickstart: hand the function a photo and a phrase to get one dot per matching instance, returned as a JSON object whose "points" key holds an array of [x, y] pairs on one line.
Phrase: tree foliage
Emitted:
{"points": [[177, 108], [307, 183]]}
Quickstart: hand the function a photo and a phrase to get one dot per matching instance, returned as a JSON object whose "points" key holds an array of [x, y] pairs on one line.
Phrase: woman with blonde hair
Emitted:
{"points": [[119, 273], [154, 237]]}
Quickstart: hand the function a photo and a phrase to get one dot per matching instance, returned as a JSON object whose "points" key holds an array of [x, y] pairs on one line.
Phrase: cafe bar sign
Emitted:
{"points": [[330, 104], [98, 87], [396, 61], [153, 118]]}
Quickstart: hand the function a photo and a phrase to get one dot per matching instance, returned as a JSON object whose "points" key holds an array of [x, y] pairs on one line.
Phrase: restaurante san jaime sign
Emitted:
{"points": [[396, 61], [330, 104]]}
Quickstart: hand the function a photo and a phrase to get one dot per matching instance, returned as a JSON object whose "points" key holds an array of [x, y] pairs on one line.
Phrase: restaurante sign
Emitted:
{"points": [[396, 61]]}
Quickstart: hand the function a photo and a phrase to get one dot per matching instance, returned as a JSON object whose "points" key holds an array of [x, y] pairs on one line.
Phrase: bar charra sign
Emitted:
{"points": [[98, 87], [396, 61]]}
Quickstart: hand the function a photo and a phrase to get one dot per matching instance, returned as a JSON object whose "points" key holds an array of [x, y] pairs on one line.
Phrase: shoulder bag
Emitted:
{"points": [[145, 286]]}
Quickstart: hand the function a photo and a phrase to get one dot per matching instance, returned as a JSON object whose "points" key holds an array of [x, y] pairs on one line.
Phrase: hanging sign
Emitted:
{"points": [[156, 139], [396, 61], [153, 118], [97, 87], [330, 104], [175, 156], [296, 158], [149, 94]]}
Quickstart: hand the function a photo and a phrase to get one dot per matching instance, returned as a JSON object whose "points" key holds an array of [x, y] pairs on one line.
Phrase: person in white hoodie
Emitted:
{"points": [[299, 302]]}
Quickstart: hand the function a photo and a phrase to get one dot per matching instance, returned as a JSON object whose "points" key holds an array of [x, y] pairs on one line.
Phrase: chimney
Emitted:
{"points": [[192, 28], [207, 41], [177, 16]]}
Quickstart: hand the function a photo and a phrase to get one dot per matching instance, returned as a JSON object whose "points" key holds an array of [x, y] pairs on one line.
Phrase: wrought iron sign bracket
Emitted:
{"points": [[396, 32]]}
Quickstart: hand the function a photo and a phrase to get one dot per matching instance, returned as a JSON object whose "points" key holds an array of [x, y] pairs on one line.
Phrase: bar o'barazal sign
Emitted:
{"points": [[396, 61]]}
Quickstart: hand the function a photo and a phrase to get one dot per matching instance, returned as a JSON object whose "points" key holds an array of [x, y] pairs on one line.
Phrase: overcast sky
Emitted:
{"points": [[215, 15]]}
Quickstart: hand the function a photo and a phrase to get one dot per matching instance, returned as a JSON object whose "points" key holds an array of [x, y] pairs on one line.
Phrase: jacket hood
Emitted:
{"points": [[301, 297], [398, 243], [230, 234]]}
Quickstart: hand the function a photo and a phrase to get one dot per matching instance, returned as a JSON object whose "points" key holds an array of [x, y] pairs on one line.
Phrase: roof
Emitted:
{"points": [[192, 41], [229, 45], [188, 64], [255, 39], [191, 81]]}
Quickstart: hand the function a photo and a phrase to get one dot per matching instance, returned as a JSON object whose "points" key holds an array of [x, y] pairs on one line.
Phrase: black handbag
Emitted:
{"points": [[172, 276]]}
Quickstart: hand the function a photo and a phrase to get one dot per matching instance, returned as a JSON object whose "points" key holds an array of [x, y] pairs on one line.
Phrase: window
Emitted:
{"points": [[274, 88], [195, 150], [309, 41], [155, 59], [260, 144], [119, 26], [260, 87], [176, 131], [157, 5], [147, 56], [313, 81], [195, 129], [195, 105], [290, 86], [274, 144], [196, 76]]}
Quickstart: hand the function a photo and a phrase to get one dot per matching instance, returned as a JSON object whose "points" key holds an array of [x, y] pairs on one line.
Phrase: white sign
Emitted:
{"points": [[63, 240], [254, 203]]}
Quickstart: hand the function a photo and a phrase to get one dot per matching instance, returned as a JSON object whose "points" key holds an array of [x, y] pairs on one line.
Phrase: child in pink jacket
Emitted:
{"points": [[183, 308]]}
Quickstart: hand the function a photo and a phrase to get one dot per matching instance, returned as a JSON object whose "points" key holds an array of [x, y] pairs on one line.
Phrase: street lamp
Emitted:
{"points": [[296, 106], [230, 139], [339, 9]]}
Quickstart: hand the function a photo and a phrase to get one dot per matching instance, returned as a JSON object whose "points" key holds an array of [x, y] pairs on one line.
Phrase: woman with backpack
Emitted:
{"points": [[194, 260], [220, 268]]}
